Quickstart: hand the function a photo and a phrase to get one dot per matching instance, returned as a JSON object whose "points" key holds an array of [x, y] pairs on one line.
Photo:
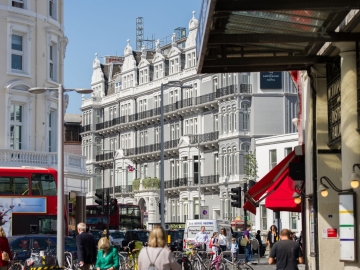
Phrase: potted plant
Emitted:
{"points": [[136, 184]]}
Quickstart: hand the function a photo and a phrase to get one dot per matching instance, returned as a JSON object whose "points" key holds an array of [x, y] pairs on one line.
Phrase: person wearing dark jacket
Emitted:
{"points": [[4, 247], [86, 249], [258, 237]]}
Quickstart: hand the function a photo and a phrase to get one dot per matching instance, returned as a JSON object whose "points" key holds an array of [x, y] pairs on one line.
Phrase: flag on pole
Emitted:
{"points": [[130, 168]]}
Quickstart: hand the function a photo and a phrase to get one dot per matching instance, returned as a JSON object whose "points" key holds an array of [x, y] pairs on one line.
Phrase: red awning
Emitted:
{"points": [[280, 198], [255, 193]]}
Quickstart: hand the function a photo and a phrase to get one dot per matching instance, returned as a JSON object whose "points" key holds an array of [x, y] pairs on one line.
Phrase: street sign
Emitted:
{"points": [[204, 212]]}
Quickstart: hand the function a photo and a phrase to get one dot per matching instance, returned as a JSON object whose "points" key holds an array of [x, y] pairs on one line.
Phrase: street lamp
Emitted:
{"points": [[162, 171], [323, 189], [113, 182], [60, 172]]}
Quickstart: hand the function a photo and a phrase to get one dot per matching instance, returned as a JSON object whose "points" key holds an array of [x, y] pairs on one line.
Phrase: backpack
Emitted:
{"points": [[152, 264], [211, 243]]}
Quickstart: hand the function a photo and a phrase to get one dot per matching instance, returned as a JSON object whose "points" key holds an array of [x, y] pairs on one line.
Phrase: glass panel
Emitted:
{"points": [[16, 62], [15, 186], [16, 43], [43, 184]]}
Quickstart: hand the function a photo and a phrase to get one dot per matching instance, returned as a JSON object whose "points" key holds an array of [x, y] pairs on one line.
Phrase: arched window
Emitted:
{"points": [[224, 170], [234, 117], [224, 120], [245, 109], [229, 158], [234, 160], [229, 116]]}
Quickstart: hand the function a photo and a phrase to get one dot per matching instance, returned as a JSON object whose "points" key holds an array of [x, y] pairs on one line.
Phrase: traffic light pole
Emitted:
{"points": [[245, 212], [107, 209]]}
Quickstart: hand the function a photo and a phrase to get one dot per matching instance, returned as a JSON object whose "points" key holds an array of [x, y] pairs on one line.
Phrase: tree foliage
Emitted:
{"points": [[250, 167]]}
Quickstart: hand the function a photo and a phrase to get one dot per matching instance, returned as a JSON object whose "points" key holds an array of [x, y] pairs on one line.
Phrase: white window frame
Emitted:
{"points": [[53, 40], [22, 28], [172, 63], [272, 158], [53, 9], [293, 216], [18, 4], [17, 124], [263, 217]]}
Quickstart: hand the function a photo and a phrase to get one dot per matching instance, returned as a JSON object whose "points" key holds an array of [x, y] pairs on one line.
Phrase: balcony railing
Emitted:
{"points": [[191, 181], [118, 189], [207, 137], [86, 128], [150, 148], [225, 91], [105, 156]]}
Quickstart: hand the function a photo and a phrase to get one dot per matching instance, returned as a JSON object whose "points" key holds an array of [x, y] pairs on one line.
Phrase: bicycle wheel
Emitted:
{"points": [[196, 264], [244, 267], [16, 266]]}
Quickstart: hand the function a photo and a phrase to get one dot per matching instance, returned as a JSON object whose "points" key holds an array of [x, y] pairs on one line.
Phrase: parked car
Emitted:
{"points": [[22, 244], [176, 239], [118, 237], [96, 235], [137, 235]]}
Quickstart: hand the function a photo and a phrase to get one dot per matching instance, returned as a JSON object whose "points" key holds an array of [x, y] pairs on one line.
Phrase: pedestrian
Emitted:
{"points": [[201, 238], [86, 249], [214, 244], [4, 247], [272, 237], [248, 251], [107, 256], [155, 255], [286, 253], [258, 238], [234, 247], [104, 234], [223, 240]]}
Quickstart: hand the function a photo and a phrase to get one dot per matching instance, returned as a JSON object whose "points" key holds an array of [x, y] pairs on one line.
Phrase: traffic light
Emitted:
{"points": [[113, 205], [100, 201], [236, 197]]}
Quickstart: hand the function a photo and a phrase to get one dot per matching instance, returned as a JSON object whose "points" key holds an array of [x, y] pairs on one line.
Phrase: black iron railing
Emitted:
{"points": [[86, 128], [207, 137], [225, 91], [105, 156], [192, 181]]}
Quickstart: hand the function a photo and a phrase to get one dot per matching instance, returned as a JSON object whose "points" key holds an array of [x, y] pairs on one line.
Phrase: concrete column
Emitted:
{"points": [[350, 139], [181, 210], [222, 209], [80, 215], [191, 209]]}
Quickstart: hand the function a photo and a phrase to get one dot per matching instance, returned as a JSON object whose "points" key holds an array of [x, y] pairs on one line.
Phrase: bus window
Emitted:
{"points": [[14, 186], [43, 184]]}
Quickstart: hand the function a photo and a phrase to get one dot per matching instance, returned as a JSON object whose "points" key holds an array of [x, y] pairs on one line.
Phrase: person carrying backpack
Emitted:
{"points": [[156, 256], [214, 244]]}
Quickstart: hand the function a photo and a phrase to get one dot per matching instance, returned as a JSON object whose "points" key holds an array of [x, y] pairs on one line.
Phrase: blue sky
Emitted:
{"points": [[103, 26]]}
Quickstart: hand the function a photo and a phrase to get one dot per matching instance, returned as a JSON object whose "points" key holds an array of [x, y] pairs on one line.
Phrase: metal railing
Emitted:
{"points": [[210, 97], [86, 128], [118, 189], [105, 156], [192, 181], [207, 137]]}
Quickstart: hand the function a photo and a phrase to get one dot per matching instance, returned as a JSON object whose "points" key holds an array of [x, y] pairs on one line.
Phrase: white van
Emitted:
{"points": [[192, 227]]}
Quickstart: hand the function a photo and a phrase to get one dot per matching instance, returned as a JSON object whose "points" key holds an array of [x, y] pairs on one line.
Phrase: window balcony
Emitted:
{"points": [[181, 104], [192, 182], [85, 128], [105, 156], [207, 137]]}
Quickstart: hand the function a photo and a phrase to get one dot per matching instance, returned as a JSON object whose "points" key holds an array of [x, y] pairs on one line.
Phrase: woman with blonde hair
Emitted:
{"points": [[156, 254], [107, 257], [4, 247]]}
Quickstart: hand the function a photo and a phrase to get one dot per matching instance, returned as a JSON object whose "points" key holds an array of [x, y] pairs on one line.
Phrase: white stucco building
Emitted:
{"points": [[269, 152], [32, 49]]}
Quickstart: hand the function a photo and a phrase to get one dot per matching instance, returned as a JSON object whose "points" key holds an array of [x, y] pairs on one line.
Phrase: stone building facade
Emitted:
{"points": [[209, 128]]}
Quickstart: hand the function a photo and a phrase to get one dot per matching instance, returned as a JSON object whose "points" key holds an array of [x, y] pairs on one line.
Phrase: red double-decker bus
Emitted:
{"points": [[126, 217], [28, 200]]}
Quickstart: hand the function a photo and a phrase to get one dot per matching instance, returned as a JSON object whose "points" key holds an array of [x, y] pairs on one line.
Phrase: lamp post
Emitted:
{"points": [[162, 155], [113, 180], [60, 171]]}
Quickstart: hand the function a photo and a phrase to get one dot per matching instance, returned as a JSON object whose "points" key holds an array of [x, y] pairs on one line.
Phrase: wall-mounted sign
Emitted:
{"points": [[204, 212], [347, 223], [328, 233], [271, 80]]}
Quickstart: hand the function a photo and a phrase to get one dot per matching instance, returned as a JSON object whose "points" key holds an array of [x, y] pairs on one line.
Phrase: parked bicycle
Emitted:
{"points": [[17, 265]]}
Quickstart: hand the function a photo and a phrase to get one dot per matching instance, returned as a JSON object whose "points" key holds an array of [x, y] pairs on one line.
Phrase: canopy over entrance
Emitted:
{"points": [[278, 35]]}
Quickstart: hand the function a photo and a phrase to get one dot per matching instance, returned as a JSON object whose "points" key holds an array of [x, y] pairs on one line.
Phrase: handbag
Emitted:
{"points": [[5, 256], [243, 242]]}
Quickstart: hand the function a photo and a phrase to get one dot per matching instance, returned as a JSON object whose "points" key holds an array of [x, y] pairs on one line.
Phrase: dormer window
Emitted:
{"points": [[156, 72], [142, 77], [177, 65]]}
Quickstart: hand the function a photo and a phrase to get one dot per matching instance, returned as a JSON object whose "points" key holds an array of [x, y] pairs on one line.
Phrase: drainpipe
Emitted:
{"points": [[314, 169]]}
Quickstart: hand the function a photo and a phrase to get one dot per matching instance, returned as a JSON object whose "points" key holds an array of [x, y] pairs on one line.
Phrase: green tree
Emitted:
{"points": [[250, 167]]}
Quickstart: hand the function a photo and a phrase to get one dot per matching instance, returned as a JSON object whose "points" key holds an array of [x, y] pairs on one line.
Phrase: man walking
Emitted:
{"points": [[202, 238], [248, 251], [286, 253], [86, 249]]}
